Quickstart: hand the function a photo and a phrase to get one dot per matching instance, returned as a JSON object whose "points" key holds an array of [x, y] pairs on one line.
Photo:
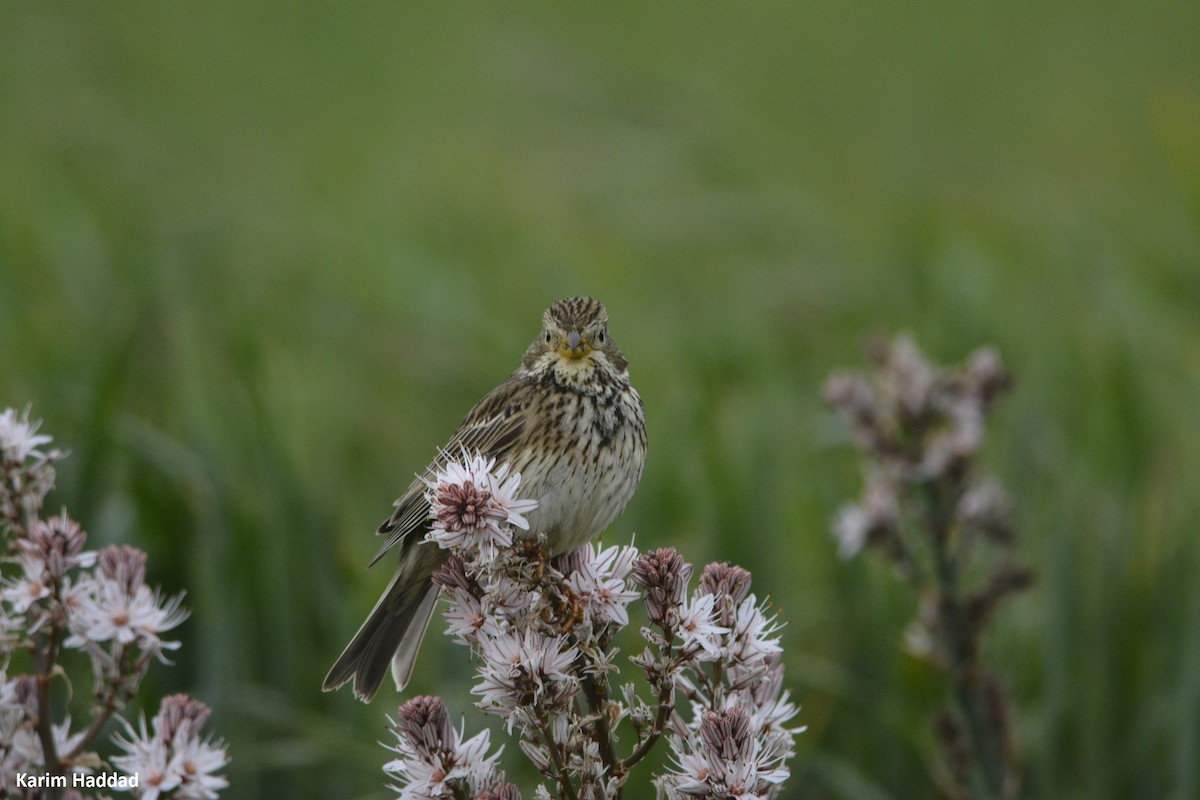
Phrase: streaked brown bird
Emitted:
{"points": [[570, 423]]}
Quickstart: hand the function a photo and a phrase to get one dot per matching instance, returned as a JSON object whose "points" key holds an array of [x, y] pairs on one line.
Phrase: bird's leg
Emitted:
{"points": [[574, 609], [563, 610], [533, 552]]}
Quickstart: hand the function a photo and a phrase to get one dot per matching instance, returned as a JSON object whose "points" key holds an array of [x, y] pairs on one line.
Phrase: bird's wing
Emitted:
{"points": [[491, 428]]}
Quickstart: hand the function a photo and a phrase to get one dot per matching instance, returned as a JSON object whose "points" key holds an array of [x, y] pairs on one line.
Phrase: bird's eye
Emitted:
{"points": [[600, 336], [549, 338]]}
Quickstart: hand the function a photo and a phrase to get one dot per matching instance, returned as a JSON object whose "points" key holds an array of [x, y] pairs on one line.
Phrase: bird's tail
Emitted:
{"points": [[392, 634]]}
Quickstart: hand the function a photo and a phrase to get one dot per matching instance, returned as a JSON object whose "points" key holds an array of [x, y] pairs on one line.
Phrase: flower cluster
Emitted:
{"points": [[543, 628], [26, 471], [724, 758], [945, 526], [116, 607], [172, 758], [919, 427], [434, 760], [474, 508], [58, 600], [719, 648]]}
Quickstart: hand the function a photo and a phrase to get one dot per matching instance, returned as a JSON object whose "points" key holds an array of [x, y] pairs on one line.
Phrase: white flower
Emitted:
{"points": [[26, 746], [523, 670], [599, 581], [876, 517], [504, 496], [466, 618], [9, 700], [18, 437], [472, 760], [108, 612], [51, 548], [197, 760], [772, 713], [753, 633], [150, 759], [419, 779], [12, 626], [692, 775], [116, 605], [698, 627], [850, 529], [908, 376], [21, 593]]}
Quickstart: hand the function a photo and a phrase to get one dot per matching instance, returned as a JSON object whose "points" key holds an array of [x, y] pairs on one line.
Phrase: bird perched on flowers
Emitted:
{"points": [[569, 422]]}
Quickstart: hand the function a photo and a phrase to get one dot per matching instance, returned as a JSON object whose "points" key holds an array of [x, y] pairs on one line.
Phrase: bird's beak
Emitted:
{"points": [[574, 346]]}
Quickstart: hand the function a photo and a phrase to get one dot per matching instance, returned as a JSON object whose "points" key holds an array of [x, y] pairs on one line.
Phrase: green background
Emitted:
{"points": [[257, 260]]}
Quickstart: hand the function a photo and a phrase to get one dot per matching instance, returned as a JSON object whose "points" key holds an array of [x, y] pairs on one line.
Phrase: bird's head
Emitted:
{"points": [[574, 345]]}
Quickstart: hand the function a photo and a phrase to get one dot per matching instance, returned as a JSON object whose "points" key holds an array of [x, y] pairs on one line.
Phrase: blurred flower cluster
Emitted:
{"points": [[60, 601], [927, 506], [542, 630]]}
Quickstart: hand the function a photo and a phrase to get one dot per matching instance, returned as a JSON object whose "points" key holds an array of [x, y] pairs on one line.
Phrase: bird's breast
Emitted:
{"points": [[583, 465]]}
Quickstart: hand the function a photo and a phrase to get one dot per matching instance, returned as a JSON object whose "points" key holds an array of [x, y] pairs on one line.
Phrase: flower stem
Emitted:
{"points": [[960, 649], [44, 661], [112, 701], [596, 690], [666, 691], [565, 788]]}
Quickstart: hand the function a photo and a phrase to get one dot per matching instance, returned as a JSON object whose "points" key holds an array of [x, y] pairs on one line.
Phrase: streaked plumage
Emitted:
{"points": [[570, 422]]}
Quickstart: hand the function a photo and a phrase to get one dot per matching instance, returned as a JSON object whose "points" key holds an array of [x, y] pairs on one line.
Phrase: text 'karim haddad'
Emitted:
{"points": [[77, 780]]}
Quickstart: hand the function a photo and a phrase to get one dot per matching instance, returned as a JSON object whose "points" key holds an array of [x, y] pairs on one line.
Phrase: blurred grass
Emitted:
{"points": [[256, 262]]}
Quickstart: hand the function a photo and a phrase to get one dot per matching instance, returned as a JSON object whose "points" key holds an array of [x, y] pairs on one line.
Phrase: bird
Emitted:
{"points": [[570, 423]]}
